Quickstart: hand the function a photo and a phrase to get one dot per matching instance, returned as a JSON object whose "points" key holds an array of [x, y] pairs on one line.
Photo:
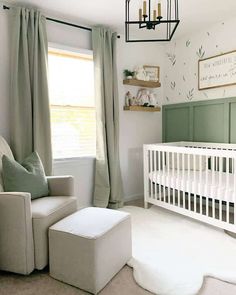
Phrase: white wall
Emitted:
{"points": [[181, 63], [68, 36], [136, 128]]}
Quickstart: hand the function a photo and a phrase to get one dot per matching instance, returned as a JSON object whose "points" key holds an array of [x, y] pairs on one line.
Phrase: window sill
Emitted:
{"points": [[74, 159]]}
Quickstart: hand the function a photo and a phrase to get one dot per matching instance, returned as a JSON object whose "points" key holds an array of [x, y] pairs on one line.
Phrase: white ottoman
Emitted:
{"points": [[87, 248]]}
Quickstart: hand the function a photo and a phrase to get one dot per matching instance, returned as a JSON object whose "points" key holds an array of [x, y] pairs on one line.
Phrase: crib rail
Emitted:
{"points": [[194, 179]]}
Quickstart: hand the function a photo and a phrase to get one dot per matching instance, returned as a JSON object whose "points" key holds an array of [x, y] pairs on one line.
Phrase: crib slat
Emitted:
{"points": [[151, 171], [164, 176], [173, 176], [159, 171], [206, 189], [213, 185], [155, 169], [183, 180], [220, 161], [189, 184], [178, 180], [227, 180], [227, 211], [194, 183], [227, 176], [234, 190], [168, 175], [200, 183]]}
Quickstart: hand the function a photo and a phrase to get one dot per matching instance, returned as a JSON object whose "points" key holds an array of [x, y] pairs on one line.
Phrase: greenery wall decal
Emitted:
{"points": [[181, 63], [172, 85], [172, 58], [190, 94], [188, 43], [200, 52]]}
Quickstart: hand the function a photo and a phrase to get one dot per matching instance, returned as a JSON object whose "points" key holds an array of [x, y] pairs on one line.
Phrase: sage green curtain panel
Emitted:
{"points": [[108, 191], [29, 105]]}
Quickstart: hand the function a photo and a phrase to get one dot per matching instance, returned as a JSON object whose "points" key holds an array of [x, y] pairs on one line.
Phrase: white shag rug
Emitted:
{"points": [[172, 254]]}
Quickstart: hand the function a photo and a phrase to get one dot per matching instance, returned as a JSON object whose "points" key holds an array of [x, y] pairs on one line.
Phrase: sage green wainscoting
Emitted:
{"points": [[200, 121]]}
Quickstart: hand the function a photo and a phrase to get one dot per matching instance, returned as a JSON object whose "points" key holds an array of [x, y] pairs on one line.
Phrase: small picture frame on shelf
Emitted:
{"points": [[153, 73]]}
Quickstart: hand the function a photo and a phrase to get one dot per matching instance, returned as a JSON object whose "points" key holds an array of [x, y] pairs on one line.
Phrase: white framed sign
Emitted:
{"points": [[217, 71]]}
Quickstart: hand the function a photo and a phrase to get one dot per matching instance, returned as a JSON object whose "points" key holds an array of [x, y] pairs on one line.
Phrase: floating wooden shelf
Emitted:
{"points": [[148, 84], [142, 109]]}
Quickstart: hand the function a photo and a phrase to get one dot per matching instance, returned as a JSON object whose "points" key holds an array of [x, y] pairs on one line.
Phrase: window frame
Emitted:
{"points": [[64, 50]]}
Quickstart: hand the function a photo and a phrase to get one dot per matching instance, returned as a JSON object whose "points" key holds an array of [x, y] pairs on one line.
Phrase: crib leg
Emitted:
{"points": [[145, 205]]}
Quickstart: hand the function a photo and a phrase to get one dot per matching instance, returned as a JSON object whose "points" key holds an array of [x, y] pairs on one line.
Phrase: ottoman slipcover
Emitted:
{"points": [[87, 248]]}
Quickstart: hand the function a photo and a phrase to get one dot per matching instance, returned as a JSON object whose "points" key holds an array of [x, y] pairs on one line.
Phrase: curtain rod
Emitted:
{"points": [[62, 22]]}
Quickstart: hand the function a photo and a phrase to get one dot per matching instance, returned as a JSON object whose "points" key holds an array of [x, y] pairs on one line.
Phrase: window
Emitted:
{"points": [[71, 92]]}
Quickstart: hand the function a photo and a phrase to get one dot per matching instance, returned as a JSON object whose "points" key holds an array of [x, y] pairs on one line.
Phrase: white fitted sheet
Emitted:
{"points": [[198, 182]]}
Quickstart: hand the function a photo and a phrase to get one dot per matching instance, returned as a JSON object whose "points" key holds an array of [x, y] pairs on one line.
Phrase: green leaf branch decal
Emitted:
{"points": [[188, 43], [167, 98], [172, 85], [190, 94], [200, 52], [205, 94], [172, 58]]}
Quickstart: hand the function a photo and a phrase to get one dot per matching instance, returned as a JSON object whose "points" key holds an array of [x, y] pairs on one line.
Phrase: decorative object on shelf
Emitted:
{"points": [[217, 71], [128, 98], [143, 96], [146, 98], [151, 17], [141, 74], [153, 72], [128, 74], [153, 99]]}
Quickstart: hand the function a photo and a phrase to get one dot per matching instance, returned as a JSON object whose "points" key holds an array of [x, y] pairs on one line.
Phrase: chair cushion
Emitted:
{"points": [[26, 177], [45, 212], [4, 150]]}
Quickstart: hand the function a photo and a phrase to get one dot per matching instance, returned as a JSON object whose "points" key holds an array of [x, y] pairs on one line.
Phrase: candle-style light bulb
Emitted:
{"points": [[140, 14], [144, 7], [154, 14], [159, 9]]}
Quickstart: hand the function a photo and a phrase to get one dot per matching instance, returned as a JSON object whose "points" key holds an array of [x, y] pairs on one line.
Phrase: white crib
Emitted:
{"points": [[195, 179]]}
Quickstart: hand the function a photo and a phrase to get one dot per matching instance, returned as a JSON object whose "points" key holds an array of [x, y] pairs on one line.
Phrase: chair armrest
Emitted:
{"points": [[16, 235], [61, 185]]}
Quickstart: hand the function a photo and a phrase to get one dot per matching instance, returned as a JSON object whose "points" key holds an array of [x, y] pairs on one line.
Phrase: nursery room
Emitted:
{"points": [[117, 147]]}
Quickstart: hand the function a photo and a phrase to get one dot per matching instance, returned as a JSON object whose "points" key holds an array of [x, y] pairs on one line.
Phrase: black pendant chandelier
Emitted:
{"points": [[156, 22]]}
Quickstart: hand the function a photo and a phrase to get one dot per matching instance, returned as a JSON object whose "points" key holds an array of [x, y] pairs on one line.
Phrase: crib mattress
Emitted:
{"points": [[197, 183]]}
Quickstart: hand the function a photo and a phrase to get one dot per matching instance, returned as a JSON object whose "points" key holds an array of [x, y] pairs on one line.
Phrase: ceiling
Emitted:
{"points": [[194, 14]]}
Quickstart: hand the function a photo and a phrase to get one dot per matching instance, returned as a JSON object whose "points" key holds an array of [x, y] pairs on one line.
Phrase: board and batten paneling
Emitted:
{"points": [[207, 121], [233, 122], [177, 124]]}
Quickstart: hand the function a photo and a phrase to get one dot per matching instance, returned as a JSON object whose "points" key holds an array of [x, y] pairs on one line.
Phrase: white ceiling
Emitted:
{"points": [[194, 14]]}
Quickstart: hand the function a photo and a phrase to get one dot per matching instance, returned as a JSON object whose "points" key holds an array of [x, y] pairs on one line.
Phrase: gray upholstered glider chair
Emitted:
{"points": [[24, 222]]}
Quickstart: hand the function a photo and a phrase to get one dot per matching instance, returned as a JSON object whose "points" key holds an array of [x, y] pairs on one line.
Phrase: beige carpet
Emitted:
{"points": [[40, 283]]}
